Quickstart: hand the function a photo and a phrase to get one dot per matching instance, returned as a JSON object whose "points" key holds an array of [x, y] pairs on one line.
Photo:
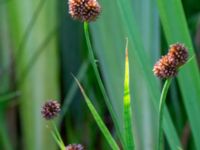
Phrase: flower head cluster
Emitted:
{"points": [[74, 147], [84, 10], [168, 65], [50, 109]]}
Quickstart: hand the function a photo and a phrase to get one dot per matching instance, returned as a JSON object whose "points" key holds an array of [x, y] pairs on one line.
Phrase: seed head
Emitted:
{"points": [[84, 10], [74, 147], [50, 109], [178, 54], [168, 65], [164, 68]]}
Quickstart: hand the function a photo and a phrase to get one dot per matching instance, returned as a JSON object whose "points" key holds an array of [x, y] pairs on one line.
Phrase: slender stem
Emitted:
{"points": [[97, 74], [161, 106], [57, 137]]}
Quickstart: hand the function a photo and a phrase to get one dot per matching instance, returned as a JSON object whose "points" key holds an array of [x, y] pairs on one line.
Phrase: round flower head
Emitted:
{"points": [[50, 109], [74, 147], [178, 54], [164, 68], [168, 65], [84, 10]]}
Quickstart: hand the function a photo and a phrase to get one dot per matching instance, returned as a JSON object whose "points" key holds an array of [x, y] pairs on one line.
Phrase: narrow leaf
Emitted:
{"points": [[127, 107], [98, 119]]}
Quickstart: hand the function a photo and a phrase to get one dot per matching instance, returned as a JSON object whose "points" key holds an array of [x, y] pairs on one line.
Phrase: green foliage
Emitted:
{"points": [[41, 46], [128, 132], [176, 30]]}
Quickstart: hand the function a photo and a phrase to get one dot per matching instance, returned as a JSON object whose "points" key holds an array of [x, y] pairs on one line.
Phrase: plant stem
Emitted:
{"points": [[97, 74], [57, 137], [161, 106]]}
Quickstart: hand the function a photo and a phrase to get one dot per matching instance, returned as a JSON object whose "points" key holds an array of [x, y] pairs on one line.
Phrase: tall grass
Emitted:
{"points": [[33, 33]]}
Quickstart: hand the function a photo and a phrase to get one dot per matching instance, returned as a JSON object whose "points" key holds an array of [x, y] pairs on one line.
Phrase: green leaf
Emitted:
{"points": [[101, 86], [72, 90], [8, 97], [127, 107], [98, 119]]}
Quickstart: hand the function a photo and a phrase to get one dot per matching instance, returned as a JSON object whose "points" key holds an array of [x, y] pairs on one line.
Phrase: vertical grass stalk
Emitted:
{"points": [[57, 137], [97, 74], [127, 107], [161, 107]]}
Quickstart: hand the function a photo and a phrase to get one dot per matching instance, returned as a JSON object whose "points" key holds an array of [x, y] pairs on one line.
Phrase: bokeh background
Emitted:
{"points": [[41, 46]]}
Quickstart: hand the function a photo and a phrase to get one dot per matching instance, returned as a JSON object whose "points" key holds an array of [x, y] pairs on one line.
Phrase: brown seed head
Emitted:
{"points": [[178, 54], [164, 68], [84, 10], [50, 109], [74, 147]]}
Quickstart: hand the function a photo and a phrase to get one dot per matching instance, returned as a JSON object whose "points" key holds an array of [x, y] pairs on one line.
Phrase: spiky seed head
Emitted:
{"points": [[164, 68], [178, 54], [84, 10], [74, 147], [50, 109]]}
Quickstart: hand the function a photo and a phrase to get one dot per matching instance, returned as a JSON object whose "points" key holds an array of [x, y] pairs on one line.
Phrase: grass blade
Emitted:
{"points": [[127, 107], [97, 74], [5, 142], [72, 90], [98, 120], [9, 96]]}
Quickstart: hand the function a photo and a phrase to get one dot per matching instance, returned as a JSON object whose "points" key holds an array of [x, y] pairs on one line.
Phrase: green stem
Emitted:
{"points": [[161, 106], [57, 137], [97, 74]]}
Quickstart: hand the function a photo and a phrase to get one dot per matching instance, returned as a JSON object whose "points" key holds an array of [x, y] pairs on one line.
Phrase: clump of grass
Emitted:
{"points": [[129, 139]]}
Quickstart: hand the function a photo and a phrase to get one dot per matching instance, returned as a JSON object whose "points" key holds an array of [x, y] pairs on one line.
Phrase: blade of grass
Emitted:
{"points": [[127, 107], [70, 94], [146, 15], [42, 48], [29, 27], [58, 141], [58, 136], [8, 97], [97, 74], [6, 83], [176, 30], [98, 120], [4, 139]]}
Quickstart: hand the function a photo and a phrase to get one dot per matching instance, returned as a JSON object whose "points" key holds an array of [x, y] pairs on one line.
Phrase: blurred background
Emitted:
{"points": [[41, 46]]}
